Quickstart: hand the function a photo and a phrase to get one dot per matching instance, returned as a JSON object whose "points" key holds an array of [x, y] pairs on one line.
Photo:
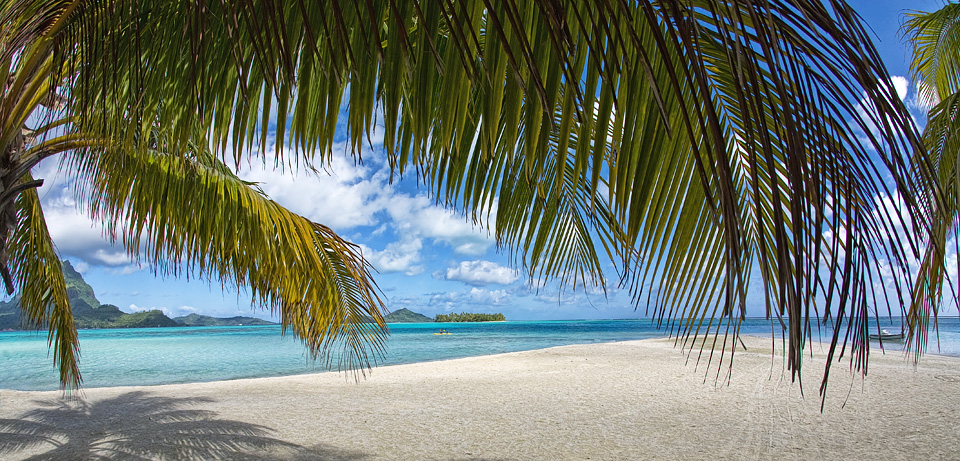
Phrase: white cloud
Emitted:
{"points": [[421, 216], [359, 195], [901, 84], [136, 308], [479, 273], [560, 297], [478, 297], [399, 256], [491, 297], [345, 196]]}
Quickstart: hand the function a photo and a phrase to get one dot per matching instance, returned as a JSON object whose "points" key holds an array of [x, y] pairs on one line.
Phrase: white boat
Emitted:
{"points": [[886, 335]]}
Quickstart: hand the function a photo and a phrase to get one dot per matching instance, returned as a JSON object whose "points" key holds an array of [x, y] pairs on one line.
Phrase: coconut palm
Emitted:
{"points": [[688, 144], [935, 66]]}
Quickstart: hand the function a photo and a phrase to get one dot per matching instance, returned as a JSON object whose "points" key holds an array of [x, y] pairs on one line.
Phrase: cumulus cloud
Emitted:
{"points": [[901, 84], [346, 195], [421, 216], [136, 308], [480, 273], [477, 297], [399, 256], [490, 297]]}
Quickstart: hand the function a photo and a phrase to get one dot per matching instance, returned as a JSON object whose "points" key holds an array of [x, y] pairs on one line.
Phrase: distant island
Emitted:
{"points": [[197, 320], [406, 316], [89, 313], [468, 317]]}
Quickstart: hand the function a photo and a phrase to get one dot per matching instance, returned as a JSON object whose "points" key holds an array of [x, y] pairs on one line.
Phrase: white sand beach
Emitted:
{"points": [[627, 400]]}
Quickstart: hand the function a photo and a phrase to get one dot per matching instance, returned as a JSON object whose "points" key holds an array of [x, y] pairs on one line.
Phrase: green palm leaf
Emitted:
{"points": [[935, 40], [936, 70], [189, 215], [41, 287]]}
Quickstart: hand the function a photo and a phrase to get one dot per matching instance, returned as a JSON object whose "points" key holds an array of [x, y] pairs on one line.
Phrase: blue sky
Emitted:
{"points": [[430, 260]]}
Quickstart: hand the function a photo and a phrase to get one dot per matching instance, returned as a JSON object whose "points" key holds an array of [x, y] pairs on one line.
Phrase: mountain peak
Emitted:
{"points": [[405, 315], [77, 288]]}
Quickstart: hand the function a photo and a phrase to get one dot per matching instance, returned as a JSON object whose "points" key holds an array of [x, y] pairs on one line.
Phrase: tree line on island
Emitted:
{"points": [[405, 315], [470, 317]]}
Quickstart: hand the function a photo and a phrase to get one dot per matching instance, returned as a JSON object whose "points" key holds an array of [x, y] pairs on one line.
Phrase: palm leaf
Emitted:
{"points": [[936, 70], [935, 39], [41, 287], [189, 215]]}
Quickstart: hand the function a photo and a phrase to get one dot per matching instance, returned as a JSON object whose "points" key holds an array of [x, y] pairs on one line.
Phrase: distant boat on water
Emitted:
{"points": [[886, 335]]}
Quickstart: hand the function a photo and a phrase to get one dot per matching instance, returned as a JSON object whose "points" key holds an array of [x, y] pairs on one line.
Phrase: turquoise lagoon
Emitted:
{"points": [[148, 356]]}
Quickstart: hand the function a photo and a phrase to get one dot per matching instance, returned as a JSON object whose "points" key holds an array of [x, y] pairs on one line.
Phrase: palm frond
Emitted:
{"points": [[933, 285], [935, 41], [189, 215], [41, 288], [935, 68]]}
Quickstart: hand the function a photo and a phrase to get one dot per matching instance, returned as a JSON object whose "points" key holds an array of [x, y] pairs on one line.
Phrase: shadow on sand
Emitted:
{"points": [[138, 425]]}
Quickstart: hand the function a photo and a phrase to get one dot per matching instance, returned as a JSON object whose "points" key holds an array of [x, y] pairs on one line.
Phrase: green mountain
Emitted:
{"points": [[87, 317], [89, 313], [145, 319], [80, 295], [197, 320], [10, 316], [77, 288], [406, 316]]}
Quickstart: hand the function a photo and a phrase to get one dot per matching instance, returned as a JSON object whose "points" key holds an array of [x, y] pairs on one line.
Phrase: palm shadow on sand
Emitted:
{"points": [[137, 425]]}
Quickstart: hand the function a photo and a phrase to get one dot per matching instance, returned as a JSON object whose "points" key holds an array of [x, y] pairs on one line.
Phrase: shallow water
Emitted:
{"points": [[147, 356]]}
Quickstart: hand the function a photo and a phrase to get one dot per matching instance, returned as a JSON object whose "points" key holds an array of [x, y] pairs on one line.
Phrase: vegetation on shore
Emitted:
{"points": [[470, 317], [197, 320], [88, 313]]}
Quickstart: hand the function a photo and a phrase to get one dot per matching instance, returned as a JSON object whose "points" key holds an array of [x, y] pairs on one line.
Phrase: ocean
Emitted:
{"points": [[150, 356]]}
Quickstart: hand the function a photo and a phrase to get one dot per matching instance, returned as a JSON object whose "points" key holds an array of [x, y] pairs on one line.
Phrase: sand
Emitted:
{"points": [[626, 400]]}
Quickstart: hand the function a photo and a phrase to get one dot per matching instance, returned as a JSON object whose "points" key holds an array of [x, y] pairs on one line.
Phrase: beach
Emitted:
{"points": [[626, 400]]}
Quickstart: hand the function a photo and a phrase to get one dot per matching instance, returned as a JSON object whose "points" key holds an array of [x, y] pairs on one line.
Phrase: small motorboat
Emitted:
{"points": [[886, 335]]}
